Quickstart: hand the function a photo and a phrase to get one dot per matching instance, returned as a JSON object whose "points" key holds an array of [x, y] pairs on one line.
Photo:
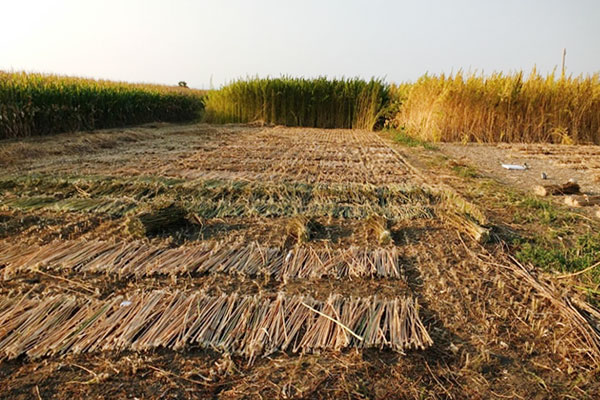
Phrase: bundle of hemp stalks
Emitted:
{"points": [[464, 223], [156, 221], [246, 325]]}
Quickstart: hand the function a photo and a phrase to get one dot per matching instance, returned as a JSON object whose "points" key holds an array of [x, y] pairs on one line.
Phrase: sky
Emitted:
{"points": [[211, 42]]}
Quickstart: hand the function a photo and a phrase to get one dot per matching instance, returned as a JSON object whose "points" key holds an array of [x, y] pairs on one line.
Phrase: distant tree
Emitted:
{"points": [[183, 84]]}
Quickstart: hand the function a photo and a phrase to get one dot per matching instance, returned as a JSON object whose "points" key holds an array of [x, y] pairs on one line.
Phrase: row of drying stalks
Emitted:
{"points": [[246, 325]]}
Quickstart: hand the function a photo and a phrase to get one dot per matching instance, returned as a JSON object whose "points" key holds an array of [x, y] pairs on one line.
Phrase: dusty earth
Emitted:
{"points": [[310, 264], [559, 162]]}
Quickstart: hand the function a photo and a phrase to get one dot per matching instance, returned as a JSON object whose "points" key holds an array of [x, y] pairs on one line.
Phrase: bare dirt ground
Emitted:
{"points": [[559, 162], [310, 264]]}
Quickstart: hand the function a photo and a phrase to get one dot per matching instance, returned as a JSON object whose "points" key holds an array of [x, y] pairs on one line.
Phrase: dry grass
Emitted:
{"points": [[464, 223], [212, 198], [297, 155], [231, 152], [16, 151], [299, 229]]}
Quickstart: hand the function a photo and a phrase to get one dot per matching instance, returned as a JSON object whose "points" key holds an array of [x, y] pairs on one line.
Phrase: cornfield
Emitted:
{"points": [[37, 104], [503, 108], [323, 103]]}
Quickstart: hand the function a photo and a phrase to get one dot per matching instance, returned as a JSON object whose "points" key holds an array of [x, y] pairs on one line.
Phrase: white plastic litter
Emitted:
{"points": [[289, 256], [515, 167], [125, 303]]}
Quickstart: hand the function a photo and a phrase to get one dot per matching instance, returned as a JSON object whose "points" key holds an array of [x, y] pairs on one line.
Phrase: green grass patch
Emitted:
{"points": [[400, 136], [465, 171], [567, 256], [531, 210]]}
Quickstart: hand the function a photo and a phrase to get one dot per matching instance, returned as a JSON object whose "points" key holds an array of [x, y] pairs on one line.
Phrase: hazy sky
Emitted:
{"points": [[167, 41]]}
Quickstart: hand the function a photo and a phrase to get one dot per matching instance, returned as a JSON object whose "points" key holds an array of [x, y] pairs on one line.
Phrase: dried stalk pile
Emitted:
{"points": [[216, 199], [246, 325], [138, 259], [156, 221], [226, 208], [114, 207], [300, 229], [232, 191]]}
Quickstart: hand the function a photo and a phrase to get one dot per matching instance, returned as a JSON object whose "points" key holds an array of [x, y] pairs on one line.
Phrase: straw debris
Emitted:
{"points": [[299, 229], [464, 223], [377, 227]]}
